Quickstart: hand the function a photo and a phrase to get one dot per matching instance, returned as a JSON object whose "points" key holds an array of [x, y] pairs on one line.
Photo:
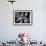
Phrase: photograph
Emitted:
{"points": [[22, 16]]}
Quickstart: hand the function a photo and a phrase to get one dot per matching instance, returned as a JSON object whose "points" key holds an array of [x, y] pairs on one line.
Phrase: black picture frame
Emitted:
{"points": [[22, 17]]}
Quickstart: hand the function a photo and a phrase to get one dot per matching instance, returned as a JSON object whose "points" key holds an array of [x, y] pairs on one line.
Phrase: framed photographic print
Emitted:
{"points": [[22, 17]]}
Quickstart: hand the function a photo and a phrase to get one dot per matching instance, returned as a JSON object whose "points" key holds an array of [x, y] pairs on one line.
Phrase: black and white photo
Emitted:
{"points": [[22, 16]]}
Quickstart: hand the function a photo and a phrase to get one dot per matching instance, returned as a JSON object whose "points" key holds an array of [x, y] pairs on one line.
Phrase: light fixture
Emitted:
{"points": [[12, 1]]}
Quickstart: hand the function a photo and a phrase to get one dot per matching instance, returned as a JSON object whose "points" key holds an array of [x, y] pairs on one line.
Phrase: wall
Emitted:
{"points": [[37, 31]]}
